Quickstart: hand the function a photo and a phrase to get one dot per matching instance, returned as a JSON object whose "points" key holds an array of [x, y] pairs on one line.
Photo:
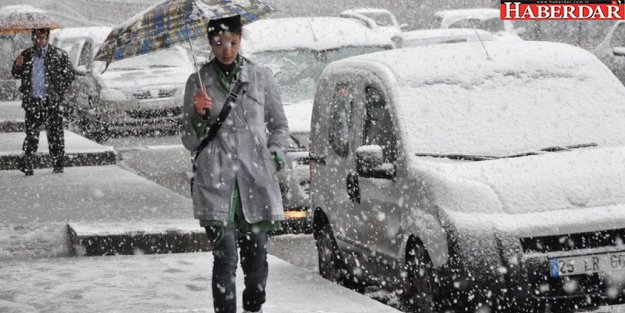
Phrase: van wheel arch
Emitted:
{"points": [[331, 261], [423, 281]]}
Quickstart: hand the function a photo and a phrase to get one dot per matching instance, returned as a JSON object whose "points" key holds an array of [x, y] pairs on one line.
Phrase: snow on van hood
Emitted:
{"points": [[552, 181], [550, 191]]}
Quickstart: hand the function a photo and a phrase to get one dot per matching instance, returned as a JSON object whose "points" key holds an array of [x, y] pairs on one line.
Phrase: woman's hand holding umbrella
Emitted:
{"points": [[202, 103]]}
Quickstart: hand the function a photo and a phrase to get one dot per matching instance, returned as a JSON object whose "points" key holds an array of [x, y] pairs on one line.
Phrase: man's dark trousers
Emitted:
{"points": [[43, 112]]}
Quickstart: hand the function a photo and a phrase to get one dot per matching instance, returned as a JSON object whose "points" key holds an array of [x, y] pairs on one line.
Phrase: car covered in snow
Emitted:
{"points": [[132, 96], [422, 37], [472, 175], [297, 50], [481, 18], [10, 46], [296, 199], [611, 50], [65, 38], [379, 19]]}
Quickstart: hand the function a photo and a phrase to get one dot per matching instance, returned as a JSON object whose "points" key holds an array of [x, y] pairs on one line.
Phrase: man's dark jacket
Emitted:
{"points": [[59, 74]]}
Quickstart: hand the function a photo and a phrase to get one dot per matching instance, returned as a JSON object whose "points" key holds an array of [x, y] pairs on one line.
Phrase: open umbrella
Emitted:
{"points": [[22, 18], [172, 22]]}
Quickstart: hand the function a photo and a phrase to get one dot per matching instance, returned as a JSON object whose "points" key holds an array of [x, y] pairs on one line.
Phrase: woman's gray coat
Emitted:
{"points": [[241, 151]]}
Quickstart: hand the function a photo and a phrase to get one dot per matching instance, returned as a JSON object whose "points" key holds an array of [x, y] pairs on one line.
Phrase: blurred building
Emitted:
{"points": [[415, 13]]}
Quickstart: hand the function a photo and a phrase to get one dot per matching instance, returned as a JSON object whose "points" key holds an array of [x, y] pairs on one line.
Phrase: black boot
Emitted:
{"points": [[58, 167], [27, 166]]}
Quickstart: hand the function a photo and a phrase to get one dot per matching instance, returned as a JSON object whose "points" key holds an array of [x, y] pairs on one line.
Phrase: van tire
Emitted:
{"points": [[422, 295], [331, 265]]}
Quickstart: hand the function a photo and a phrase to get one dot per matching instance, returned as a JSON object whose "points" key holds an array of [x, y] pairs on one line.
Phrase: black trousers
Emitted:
{"points": [[253, 251], [43, 112]]}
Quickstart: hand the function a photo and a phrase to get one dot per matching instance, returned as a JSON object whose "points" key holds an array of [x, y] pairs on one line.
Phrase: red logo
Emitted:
{"points": [[563, 10]]}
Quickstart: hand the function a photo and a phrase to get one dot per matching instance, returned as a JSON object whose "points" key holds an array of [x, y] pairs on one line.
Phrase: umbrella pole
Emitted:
{"points": [[197, 69]]}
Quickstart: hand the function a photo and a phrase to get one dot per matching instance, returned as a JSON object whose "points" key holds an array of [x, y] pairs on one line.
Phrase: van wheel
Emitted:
{"points": [[330, 263], [422, 292]]}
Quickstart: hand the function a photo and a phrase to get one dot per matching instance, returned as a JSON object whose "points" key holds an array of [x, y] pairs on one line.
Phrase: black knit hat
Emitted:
{"points": [[219, 26], [45, 31]]}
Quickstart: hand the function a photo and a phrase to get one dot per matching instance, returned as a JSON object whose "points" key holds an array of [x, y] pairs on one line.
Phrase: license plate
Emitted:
{"points": [[587, 264]]}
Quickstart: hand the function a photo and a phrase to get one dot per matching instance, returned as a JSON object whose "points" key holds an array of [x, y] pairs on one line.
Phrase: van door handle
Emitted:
{"points": [[353, 188], [320, 159]]}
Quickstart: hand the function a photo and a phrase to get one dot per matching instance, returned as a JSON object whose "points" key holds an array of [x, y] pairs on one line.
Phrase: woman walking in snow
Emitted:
{"points": [[236, 195]]}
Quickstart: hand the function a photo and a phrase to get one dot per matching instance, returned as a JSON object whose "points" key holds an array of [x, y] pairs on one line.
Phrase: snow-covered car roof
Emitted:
{"points": [[315, 33], [500, 99], [368, 10], [19, 8], [451, 16], [433, 36], [97, 33]]}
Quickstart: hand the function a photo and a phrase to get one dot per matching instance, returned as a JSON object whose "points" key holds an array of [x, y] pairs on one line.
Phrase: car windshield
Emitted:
{"points": [[492, 24], [297, 71], [176, 57], [382, 19], [67, 44]]}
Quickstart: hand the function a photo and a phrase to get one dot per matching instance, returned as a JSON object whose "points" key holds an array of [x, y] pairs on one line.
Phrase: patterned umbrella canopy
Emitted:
{"points": [[172, 22], [21, 18]]}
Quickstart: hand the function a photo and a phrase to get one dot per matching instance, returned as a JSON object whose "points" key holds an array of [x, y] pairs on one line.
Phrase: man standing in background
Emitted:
{"points": [[46, 73]]}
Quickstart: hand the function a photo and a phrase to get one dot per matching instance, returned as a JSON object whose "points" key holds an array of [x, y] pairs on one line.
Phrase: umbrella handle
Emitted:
{"points": [[197, 70]]}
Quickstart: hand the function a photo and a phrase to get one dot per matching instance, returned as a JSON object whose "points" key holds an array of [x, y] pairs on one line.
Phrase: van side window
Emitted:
{"points": [[341, 119], [379, 128], [85, 55]]}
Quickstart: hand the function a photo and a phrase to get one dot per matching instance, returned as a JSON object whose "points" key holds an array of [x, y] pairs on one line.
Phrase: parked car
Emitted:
{"points": [[65, 38], [436, 36], [461, 178], [8, 85], [611, 50], [10, 46], [296, 199], [482, 18], [379, 19], [131, 96], [297, 50]]}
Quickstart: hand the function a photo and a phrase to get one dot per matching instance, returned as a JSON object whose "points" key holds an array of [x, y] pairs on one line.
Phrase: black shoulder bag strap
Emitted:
{"points": [[214, 128]]}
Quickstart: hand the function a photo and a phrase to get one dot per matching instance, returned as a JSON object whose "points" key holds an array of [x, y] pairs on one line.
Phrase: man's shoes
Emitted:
{"points": [[27, 171], [57, 170]]}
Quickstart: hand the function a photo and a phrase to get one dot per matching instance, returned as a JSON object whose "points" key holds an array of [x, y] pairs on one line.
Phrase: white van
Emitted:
{"points": [[475, 174]]}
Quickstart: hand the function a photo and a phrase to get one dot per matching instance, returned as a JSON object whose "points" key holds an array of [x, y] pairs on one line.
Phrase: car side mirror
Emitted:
{"points": [[370, 162], [403, 27], [619, 51], [81, 70]]}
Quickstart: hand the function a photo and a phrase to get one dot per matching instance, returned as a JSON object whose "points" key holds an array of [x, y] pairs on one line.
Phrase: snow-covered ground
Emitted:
{"points": [[160, 283]]}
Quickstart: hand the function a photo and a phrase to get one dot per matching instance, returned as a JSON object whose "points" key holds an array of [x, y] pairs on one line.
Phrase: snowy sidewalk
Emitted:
{"points": [[35, 210], [11, 116], [160, 283], [79, 151]]}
